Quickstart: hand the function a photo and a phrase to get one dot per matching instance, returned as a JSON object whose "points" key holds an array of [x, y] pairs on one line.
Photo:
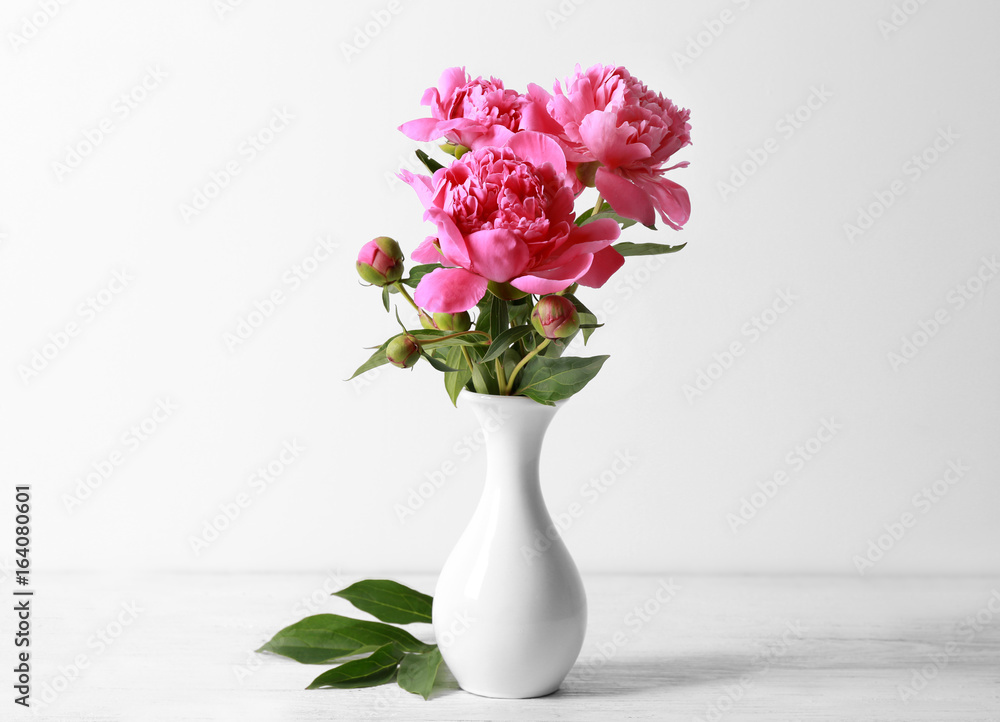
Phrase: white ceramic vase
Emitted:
{"points": [[510, 610]]}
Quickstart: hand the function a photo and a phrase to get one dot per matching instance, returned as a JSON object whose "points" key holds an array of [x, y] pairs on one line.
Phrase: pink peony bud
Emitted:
{"points": [[380, 261], [555, 317], [403, 351]]}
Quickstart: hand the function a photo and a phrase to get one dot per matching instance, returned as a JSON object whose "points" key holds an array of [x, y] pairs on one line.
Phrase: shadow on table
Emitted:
{"points": [[625, 676], [898, 649], [636, 675]]}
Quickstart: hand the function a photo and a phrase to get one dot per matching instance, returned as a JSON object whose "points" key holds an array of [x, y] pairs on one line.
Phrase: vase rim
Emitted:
{"points": [[478, 398]]}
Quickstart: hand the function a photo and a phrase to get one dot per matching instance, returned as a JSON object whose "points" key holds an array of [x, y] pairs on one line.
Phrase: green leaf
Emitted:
{"points": [[378, 668], [455, 381], [520, 310], [385, 298], [431, 164], [483, 317], [483, 380], [578, 303], [479, 382], [418, 672], [418, 272], [606, 212], [645, 249], [584, 312], [437, 363], [375, 360], [503, 341], [324, 638], [588, 322], [498, 316], [547, 379], [557, 346], [388, 601], [511, 358]]}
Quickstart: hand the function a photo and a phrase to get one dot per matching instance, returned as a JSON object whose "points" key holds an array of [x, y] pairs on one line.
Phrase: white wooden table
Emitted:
{"points": [[178, 647]]}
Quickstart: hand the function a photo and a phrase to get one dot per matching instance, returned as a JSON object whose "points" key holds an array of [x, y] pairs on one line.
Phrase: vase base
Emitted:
{"points": [[501, 694]]}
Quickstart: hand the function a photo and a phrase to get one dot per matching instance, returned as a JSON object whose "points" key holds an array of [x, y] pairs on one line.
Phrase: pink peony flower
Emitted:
{"points": [[608, 116], [505, 214], [473, 113]]}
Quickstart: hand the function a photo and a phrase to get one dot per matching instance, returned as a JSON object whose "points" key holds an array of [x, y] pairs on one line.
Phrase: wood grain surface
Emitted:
{"points": [[179, 647]]}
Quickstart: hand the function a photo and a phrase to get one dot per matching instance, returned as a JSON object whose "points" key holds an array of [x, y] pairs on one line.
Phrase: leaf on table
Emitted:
{"points": [[378, 668], [418, 672], [388, 601], [323, 638]]}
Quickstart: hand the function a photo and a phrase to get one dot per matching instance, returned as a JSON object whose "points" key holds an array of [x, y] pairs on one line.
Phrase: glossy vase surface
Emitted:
{"points": [[510, 610]]}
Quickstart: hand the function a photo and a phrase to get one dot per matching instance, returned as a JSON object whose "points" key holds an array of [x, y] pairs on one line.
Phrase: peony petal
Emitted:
{"points": [[427, 252], [452, 243], [610, 143], [538, 149], [423, 186], [625, 198], [451, 80], [535, 115], [554, 279], [498, 255], [423, 129], [561, 205], [592, 237], [539, 94], [368, 252], [670, 199], [495, 135], [428, 129], [606, 262], [431, 98], [583, 240], [449, 290]]}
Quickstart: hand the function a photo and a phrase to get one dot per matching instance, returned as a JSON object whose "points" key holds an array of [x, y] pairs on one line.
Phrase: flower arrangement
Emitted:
{"points": [[508, 243], [495, 289]]}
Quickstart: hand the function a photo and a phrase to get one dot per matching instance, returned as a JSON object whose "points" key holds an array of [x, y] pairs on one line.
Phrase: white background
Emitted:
{"points": [[889, 85]]}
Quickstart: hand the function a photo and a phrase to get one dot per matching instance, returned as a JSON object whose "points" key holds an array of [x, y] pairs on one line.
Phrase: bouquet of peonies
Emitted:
{"points": [[508, 241]]}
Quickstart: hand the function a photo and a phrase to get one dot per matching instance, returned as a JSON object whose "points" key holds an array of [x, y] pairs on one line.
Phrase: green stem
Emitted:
{"points": [[522, 362], [468, 359], [597, 206], [402, 289], [501, 379]]}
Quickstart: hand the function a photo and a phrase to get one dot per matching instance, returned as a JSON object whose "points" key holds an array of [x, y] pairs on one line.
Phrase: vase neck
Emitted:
{"points": [[514, 429]]}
